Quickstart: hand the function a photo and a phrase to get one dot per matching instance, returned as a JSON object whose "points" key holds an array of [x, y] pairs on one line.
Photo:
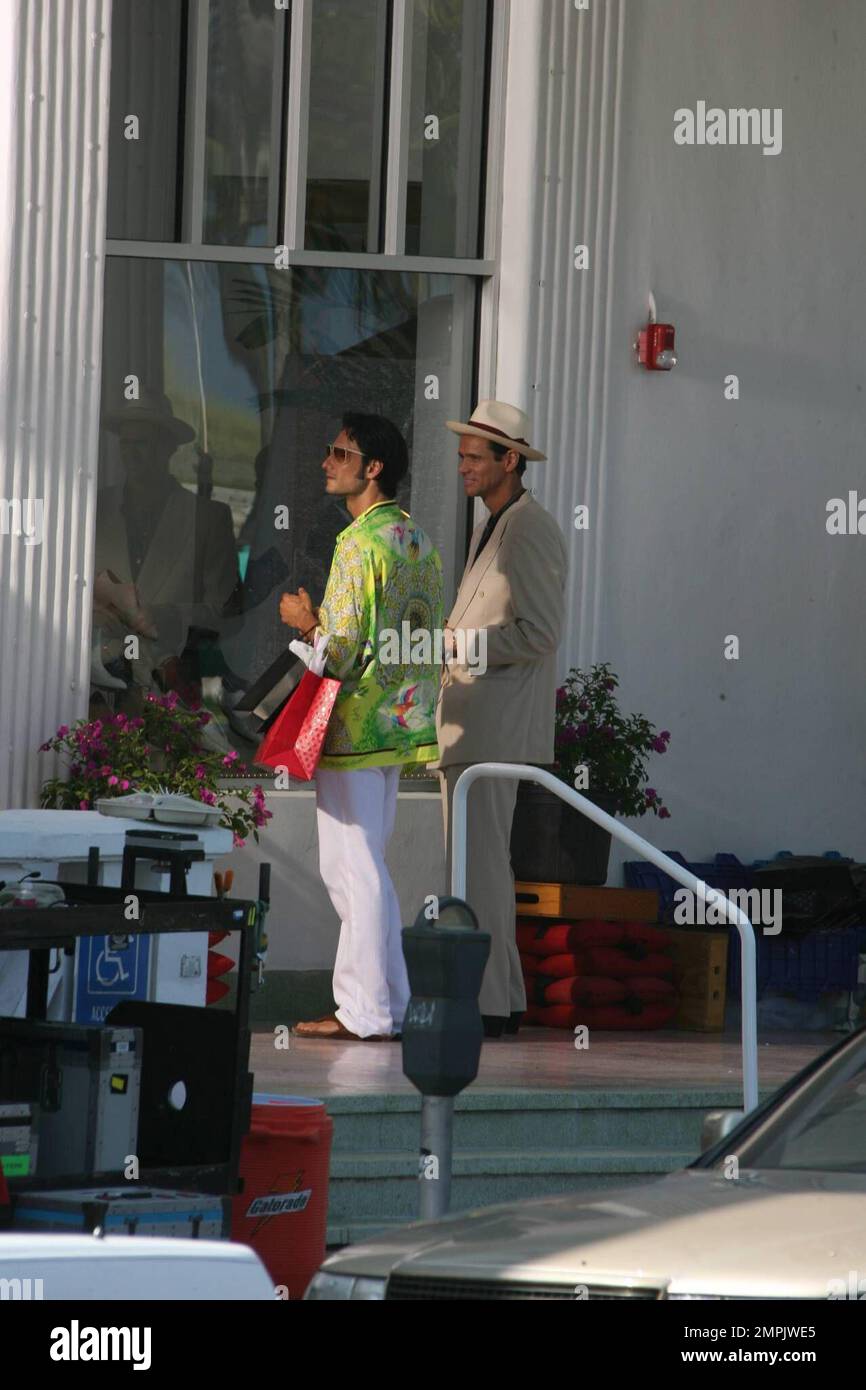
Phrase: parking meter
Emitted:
{"points": [[442, 1031]]}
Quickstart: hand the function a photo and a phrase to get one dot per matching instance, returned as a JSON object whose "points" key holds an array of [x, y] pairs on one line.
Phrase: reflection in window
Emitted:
{"points": [[347, 103], [146, 86], [244, 374], [446, 127], [244, 72]]}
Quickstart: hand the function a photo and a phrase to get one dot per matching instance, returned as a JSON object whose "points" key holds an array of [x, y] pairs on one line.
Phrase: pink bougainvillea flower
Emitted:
{"points": [[113, 781]]}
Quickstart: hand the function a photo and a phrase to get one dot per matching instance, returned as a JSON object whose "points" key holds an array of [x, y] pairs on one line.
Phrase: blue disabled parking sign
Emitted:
{"points": [[110, 968]]}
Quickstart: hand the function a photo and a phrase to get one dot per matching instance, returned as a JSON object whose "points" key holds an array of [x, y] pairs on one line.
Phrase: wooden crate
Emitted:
{"points": [[700, 972], [568, 901]]}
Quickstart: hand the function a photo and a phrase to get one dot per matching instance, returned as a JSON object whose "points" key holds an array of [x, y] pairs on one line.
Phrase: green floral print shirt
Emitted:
{"points": [[382, 610]]}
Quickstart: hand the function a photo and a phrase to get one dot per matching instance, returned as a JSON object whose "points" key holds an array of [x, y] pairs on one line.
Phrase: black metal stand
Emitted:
{"points": [[90, 910]]}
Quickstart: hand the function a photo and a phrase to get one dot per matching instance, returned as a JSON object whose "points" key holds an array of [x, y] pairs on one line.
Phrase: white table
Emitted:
{"points": [[55, 844]]}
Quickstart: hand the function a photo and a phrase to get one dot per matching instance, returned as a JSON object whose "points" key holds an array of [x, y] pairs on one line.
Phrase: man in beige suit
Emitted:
{"points": [[509, 609]]}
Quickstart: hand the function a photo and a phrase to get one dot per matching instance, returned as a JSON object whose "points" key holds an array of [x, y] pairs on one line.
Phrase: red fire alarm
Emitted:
{"points": [[656, 347]]}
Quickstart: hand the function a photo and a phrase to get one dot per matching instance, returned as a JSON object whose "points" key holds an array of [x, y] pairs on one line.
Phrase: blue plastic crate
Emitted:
{"points": [[804, 966], [723, 873]]}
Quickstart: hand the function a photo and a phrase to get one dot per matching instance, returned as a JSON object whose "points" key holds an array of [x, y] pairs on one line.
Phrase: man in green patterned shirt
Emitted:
{"points": [[383, 613]]}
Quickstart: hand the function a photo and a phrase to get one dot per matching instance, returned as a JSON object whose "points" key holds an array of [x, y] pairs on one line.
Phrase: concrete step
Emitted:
{"points": [[369, 1186], [527, 1120], [508, 1145]]}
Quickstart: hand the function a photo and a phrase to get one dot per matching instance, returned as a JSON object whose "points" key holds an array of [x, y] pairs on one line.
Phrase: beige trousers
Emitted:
{"points": [[490, 883]]}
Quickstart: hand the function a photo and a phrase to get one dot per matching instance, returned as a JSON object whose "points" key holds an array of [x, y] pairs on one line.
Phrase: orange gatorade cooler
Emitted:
{"points": [[283, 1207]]}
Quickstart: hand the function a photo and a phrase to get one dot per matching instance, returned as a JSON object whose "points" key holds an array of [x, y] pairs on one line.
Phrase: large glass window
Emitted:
{"points": [[200, 98], [144, 128], [446, 127], [225, 376], [211, 501], [242, 162], [347, 103]]}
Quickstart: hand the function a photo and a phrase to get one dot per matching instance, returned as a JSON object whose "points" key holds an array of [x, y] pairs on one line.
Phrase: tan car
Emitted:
{"points": [[776, 1208]]}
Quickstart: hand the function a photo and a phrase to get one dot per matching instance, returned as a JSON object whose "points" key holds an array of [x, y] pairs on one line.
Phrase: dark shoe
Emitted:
{"points": [[514, 1022], [494, 1026]]}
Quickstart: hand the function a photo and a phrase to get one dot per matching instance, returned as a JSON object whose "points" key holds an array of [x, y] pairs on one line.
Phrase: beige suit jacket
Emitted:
{"points": [[515, 592]]}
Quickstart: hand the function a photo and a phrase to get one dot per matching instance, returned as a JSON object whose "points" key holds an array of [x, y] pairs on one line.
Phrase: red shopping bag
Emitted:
{"points": [[296, 738]]}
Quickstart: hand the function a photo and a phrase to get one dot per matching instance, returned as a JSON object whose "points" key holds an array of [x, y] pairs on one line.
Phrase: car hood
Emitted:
{"points": [[764, 1234]]}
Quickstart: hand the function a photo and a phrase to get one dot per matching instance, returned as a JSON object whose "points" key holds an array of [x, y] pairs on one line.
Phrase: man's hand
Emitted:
{"points": [[111, 596], [297, 611]]}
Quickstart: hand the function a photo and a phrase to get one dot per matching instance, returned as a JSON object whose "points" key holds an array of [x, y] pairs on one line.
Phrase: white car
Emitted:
{"points": [[775, 1209], [37, 1265]]}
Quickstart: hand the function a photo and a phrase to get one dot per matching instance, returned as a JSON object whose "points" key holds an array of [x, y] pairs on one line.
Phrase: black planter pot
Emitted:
{"points": [[552, 842]]}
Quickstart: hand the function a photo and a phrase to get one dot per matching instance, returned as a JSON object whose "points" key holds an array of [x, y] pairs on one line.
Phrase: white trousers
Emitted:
{"points": [[355, 814]]}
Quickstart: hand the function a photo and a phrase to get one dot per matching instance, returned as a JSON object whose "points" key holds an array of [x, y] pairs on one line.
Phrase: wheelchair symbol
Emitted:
{"points": [[110, 960]]}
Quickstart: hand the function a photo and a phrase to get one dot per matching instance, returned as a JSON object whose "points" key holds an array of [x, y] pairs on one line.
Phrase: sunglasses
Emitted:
{"points": [[339, 453]]}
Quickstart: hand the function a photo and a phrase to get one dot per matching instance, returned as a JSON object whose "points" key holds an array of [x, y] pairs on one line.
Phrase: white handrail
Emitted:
{"points": [[735, 915]]}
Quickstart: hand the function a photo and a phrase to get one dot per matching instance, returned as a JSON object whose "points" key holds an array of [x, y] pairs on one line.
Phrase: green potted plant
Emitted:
{"points": [[163, 750], [601, 753]]}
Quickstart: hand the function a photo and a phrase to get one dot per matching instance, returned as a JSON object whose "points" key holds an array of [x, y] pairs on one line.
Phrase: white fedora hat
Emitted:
{"points": [[501, 424]]}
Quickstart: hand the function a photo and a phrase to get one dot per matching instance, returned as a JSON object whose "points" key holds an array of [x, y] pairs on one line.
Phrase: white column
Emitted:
{"points": [[54, 88], [553, 340], [516, 282]]}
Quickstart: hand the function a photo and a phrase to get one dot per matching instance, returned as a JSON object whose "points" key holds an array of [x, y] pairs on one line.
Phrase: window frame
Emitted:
{"points": [[291, 124], [287, 196]]}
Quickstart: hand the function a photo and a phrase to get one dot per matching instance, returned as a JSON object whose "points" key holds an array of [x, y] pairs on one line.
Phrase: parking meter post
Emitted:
{"points": [[435, 1159], [442, 1032]]}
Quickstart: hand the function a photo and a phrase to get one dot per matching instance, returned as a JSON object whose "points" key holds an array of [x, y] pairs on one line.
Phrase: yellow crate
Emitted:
{"points": [[570, 902], [700, 972]]}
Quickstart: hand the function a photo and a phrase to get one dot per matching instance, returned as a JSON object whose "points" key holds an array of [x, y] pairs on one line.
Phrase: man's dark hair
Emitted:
{"points": [[378, 438], [500, 450]]}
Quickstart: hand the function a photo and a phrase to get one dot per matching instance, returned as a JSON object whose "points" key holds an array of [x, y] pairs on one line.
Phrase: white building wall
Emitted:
{"points": [[707, 516], [54, 61]]}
